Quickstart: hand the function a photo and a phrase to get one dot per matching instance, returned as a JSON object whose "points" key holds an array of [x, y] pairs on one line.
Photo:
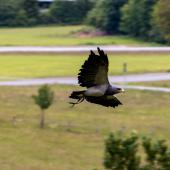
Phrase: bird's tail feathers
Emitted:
{"points": [[77, 94]]}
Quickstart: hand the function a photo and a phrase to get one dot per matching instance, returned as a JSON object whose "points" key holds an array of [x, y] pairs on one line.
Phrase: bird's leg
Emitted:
{"points": [[78, 102], [81, 100]]}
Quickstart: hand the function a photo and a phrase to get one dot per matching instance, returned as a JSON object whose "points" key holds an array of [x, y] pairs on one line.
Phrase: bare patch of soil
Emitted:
{"points": [[95, 33]]}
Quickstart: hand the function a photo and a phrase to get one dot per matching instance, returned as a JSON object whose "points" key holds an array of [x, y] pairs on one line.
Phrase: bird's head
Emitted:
{"points": [[112, 90], [119, 90]]}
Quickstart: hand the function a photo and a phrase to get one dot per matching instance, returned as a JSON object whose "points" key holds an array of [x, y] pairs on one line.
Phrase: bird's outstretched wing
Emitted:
{"points": [[94, 71], [106, 101]]}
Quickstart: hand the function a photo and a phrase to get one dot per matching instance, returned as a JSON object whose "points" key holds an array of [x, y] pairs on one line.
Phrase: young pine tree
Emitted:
{"points": [[44, 99]]}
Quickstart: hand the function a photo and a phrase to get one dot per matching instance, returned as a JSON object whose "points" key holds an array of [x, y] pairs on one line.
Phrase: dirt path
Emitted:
{"points": [[78, 49], [113, 79]]}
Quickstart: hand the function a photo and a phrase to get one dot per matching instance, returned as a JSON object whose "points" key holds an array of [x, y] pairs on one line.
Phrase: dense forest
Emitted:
{"points": [[145, 19]]}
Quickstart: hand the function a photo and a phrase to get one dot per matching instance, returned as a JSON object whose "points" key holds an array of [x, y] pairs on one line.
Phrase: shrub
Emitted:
{"points": [[122, 153], [44, 99], [157, 154]]}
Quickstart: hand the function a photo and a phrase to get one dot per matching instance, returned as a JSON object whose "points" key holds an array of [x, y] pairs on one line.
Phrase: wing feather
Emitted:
{"points": [[106, 101], [94, 71]]}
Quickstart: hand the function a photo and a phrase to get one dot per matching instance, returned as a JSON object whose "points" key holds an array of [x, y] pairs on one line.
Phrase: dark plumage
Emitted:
{"points": [[94, 76]]}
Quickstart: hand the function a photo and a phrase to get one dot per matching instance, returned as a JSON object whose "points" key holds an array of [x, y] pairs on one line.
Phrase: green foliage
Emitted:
{"points": [[31, 8], [158, 154], [21, 18], [45, 17], [122, 153], [161, 19], [18, 13], [31, 11], [136, 18], [83, 7], [63, 11], [106, 15], [8, 10], [96, 15], [28, 13], [69, 12], [44, 98]]}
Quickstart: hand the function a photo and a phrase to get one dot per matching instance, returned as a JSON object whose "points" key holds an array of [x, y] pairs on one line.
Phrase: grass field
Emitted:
{"points": [[31, 65], [73, 137], [60, 35], [165, 83]]}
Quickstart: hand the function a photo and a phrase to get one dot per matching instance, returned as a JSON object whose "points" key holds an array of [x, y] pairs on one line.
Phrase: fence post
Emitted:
{"points": [[125, 70]]}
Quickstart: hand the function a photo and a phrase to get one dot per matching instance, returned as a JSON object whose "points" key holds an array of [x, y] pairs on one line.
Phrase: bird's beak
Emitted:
{"points": [[122, 91]]}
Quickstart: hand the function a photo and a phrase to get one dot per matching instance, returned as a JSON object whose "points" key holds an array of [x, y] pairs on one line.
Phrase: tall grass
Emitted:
{"points": [[44, 65], [73, 137], [60, 35]]}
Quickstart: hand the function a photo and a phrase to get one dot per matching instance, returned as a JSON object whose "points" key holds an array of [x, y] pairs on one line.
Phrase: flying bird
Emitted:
{"points": [[94, 76]]}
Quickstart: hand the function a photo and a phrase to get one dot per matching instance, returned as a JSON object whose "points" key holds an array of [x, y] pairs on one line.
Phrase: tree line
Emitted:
{"points": [[146, 19], [29, 13]]}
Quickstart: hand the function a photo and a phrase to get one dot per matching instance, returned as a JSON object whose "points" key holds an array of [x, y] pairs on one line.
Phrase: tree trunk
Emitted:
{"points": [[42, 119]]}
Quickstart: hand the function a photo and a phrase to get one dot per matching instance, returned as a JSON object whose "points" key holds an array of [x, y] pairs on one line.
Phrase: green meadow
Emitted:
{"points": [[61, 36], [73, 137], [164, 83], [50, 65]]}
